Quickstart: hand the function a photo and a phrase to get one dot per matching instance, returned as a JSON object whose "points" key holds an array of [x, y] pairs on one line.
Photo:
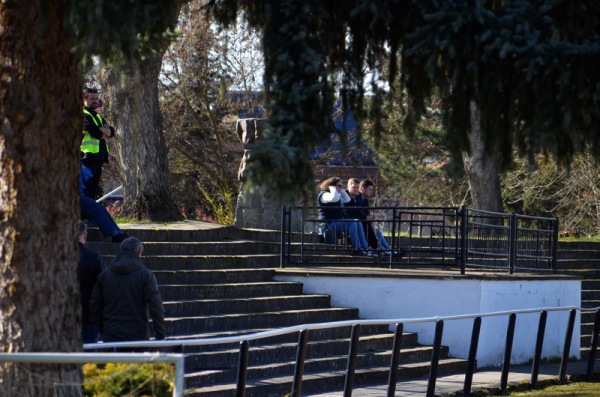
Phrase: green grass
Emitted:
{"points": [[579, 389]]}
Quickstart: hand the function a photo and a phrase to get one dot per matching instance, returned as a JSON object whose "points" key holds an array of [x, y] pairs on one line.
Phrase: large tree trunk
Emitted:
{"points": [[133, 109], [481, 169], [40, 134]]}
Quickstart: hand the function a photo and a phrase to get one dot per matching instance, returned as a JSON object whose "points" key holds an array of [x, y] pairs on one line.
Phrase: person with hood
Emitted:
{"points": [[123, 296]]}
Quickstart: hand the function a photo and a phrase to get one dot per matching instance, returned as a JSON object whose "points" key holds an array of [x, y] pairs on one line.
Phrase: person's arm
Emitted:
{"points": [[92, 128], [344, 197], [332, 196], [155, 305]]}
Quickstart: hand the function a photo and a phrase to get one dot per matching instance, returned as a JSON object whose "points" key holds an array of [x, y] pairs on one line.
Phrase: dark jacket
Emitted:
{"points": [[122, 297], [89, 268], [329, 211], [350, 207]]}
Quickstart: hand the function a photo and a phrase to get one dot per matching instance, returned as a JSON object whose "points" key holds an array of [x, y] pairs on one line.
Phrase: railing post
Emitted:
{"points": [[555, 245], [435, 358], [282, 247], [352, 354], [539, 343], [393, 375], [242, 370], [472, 357], [513, 237], [300, 358], [464, 244], [510, 332], [562, 375], [593, 347]]}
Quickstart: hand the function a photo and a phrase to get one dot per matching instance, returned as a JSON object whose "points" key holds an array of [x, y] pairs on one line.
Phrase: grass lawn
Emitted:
{"points": [[579, 389]]}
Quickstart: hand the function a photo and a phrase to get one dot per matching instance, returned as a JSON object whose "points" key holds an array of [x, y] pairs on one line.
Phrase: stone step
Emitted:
{"points": [[240, 321], [205, 262], [578, 246], [328, 361], [191, 233], [264, 354], [577, 255], [246, 247], [577, 264], [180, 308], [409, 339], [227, 291], [590, 294], [329, 380], [213, 276]]}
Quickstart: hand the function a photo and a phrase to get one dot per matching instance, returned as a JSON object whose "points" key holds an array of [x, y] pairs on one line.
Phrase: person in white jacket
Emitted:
{"points": [[330, 210]]}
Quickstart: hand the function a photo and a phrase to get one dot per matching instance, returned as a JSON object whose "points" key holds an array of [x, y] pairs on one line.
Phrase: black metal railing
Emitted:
{"points": [[444, 237], [395, 358]]}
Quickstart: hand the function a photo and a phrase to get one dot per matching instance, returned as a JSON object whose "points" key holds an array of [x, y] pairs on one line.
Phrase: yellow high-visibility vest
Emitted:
{"points": [[89, 144]]}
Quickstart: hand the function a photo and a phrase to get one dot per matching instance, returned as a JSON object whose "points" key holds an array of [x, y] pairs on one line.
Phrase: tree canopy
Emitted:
{"points": [[530, 66]]}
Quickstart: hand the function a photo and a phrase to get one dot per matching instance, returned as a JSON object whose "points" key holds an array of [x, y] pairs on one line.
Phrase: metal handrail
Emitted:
{"points": [[439, 320], [83, 358], [107, 195]]}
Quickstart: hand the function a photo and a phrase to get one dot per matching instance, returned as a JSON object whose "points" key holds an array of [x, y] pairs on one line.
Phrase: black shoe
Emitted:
{"points": [[117, 238]]}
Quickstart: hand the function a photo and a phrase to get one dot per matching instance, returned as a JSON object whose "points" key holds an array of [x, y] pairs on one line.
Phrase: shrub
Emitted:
{"points": [[133, 380]]}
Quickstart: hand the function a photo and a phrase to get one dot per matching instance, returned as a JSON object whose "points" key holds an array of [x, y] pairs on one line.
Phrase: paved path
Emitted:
{"points": [[454, 383]]}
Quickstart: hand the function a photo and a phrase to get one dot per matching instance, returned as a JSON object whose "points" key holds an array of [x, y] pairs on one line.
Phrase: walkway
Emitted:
{"points": [[454, 383]]}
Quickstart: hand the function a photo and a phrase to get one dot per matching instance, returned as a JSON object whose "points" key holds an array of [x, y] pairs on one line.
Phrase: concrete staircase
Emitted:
{"points": [[219, 281], [582, 259]]}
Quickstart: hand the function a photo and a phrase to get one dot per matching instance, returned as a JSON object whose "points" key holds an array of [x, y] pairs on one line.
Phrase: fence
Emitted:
{"points": [[446, 237], [303, 338]]}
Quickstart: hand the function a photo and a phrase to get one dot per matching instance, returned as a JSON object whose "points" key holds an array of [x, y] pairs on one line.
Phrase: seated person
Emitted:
{"points": [[91, 210], [330, 210], [374, 235]]}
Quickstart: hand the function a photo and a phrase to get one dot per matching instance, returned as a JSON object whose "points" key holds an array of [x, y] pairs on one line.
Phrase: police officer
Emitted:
{"points": [[94, 150]]}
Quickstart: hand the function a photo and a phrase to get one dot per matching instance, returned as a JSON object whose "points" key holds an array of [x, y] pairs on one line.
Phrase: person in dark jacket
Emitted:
{"points": [[123, 296], [89, 268]]}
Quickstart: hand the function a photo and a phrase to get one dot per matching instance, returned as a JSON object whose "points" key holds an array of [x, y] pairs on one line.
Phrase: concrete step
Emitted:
{"points": [[190, 233], [408, 339], [205, 262], [264, 354], [246, 247], [213, 276], [590, 294], [240, 321], [180, 308], [313, 364], [226, 291], [329, 380]]}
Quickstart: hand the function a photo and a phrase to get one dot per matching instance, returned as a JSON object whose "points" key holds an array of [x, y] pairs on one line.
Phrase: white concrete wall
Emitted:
{"points": [[408, 298]]}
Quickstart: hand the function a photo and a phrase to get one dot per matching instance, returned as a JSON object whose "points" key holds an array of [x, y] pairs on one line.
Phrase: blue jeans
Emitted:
{"points": [[90, 333], [90, 209], [383, 244], [354, 230]]}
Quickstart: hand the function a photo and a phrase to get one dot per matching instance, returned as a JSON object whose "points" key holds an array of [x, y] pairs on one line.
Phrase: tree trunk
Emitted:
{"points": [[133, 110], [40, 135], [481, 169]]}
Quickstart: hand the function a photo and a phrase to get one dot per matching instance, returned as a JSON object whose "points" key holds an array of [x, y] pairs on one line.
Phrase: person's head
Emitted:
{"points": [[353, 185], [91, 99], [332, 181], [82, 236], [367, 188], [132, 244]]}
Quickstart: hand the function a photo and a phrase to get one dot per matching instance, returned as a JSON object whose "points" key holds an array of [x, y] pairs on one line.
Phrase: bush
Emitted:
{"points": [[133, 380]]}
